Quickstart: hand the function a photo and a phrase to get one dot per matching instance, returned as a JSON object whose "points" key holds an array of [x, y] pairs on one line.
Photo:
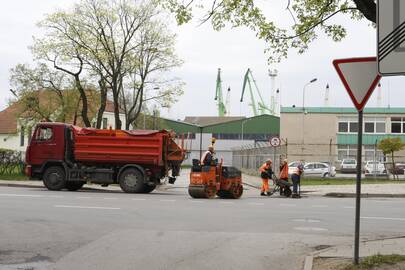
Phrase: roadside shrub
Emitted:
{"points": [[11, 162]]}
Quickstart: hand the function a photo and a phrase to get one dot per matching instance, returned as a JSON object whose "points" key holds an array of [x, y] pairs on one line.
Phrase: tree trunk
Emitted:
{"points": [[394, 172], [83, 96], [103, 102]]}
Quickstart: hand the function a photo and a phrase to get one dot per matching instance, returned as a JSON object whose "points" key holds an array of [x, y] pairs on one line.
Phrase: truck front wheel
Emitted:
{"points": [[132, 181], [54, 178], [74, 185]]}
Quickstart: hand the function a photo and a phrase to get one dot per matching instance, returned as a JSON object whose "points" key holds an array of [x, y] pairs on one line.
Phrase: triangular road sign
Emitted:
{"points": [[359, 76]]}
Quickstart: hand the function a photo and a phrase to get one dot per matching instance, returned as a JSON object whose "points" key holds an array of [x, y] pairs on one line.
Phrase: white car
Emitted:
{"points": [[319, 169], [374, 168], [292, 166], [348, 165]]}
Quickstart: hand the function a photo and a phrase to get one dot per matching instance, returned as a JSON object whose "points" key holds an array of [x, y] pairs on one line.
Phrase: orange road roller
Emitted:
{"points": [[209, 181]]}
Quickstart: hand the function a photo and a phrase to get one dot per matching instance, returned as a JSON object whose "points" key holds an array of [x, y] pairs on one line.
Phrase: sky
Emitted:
{"points": [[204, 50]]}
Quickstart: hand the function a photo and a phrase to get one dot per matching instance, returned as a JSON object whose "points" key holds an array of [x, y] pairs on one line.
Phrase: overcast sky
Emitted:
{"points": [[233, 50]]}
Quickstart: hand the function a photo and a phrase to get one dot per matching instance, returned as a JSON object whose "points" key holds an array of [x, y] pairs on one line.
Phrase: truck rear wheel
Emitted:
{"points": [[54, 178], [132, 181], [74, 185], [148, 188]]}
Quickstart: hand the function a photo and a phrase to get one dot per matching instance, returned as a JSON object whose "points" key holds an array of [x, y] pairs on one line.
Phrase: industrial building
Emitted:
{"points": [[230, 132], [330, 133]]}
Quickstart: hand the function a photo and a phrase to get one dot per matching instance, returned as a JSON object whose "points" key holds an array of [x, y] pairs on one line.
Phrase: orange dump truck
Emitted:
{"points": [[66, 156]]}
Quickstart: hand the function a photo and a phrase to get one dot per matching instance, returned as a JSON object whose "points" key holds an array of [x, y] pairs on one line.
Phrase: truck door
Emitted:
{"points": [[47, 144]]}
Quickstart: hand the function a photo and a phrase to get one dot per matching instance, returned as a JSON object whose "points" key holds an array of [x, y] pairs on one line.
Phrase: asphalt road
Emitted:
{"points": [[41, 229]]}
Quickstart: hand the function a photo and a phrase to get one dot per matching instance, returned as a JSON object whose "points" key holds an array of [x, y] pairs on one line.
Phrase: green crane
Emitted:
{"points": [[259, 107], [218, 96]]}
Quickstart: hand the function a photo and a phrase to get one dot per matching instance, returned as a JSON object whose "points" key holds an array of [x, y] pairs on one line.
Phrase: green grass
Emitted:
{"points": [[375, 261], [345, 181], [13, 177]]}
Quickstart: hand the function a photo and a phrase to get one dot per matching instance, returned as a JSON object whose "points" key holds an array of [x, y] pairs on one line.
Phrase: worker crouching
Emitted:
{"points": [[266, 173]]}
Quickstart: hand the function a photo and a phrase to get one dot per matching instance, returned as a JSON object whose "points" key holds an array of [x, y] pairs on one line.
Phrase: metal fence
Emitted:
{"points": [[250, 157]]}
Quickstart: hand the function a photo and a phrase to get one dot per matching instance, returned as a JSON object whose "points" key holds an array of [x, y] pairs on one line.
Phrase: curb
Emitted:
{"points": [[309, 259], [20, 185], [363, 195]]}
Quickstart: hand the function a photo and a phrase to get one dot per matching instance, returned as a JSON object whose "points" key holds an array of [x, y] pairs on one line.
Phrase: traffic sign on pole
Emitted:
{"points": [[359, 77], [391, 37], [275, 141]]}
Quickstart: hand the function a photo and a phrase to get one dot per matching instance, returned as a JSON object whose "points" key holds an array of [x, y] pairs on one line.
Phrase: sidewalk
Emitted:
{"points": [[367, 190], [367, 248]]}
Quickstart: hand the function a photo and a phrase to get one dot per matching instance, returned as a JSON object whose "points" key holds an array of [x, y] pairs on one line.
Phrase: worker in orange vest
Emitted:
{"points": [[283, 174], [266, 173]]}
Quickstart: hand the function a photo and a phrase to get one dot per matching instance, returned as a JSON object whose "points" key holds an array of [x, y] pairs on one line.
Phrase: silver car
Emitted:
{"points": [[319, 169]]}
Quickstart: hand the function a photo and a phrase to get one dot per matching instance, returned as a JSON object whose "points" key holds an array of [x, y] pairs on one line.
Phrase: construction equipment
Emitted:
{"points": [[66, 156], [259, 107], [218, 95], [209, 181]]}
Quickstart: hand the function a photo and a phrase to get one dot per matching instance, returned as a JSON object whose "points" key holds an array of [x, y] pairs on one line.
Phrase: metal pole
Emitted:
{"points": [[358, 188], [201, 133]]}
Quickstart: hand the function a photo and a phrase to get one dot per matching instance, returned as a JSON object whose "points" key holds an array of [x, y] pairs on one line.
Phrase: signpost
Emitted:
{"points": [[275, 142], [391, 37], [359, 77]]}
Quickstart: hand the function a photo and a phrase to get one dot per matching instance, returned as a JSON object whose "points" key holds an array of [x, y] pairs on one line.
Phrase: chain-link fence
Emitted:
{"points": [[250, 157]]}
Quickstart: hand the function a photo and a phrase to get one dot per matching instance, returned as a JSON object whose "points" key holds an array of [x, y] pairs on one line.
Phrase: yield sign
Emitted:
{"points": [[359, 76]]}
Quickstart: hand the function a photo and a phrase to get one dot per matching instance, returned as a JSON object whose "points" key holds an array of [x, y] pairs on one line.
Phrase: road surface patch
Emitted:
{"points": [[310, 229], [384, 218]]}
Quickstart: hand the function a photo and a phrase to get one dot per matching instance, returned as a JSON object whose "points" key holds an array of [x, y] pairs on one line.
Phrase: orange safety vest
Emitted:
{"points": [[264, 167], [284, 172]]}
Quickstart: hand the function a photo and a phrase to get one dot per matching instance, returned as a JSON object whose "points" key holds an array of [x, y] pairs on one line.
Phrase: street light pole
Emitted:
{"points": [[303, 114], [243, 124]]}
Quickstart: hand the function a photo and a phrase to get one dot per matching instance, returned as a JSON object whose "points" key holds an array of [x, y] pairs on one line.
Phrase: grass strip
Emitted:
{"points": [[375, 261]]}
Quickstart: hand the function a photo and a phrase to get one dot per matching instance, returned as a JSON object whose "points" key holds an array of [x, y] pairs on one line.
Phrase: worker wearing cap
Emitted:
{"points": [[208, 157], [266, 173], [296, 179]]}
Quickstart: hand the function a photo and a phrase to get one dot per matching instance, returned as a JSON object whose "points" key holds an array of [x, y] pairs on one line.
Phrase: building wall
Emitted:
{"points": [[315, 136], [309, 137]]}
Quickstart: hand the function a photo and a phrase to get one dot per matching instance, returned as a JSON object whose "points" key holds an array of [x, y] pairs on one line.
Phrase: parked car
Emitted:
{"points": [[348, 165], [292, 166], [319, 169], [374, 168], [399, 168]]}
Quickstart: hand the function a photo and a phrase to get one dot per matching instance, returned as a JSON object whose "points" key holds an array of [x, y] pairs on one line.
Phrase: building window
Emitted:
{"points": [[238, 136], [374, 125], [29, 133], [397, 124], [347, 151], [104, 123], [343, 127], [22, 137], [347, 125]]}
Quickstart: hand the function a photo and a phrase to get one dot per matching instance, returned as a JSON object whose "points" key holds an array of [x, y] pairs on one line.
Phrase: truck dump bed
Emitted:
{"points": [[119, 146]]}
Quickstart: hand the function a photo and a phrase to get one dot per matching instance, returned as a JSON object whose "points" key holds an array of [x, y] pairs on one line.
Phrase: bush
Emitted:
{"points": [[11, 162]]}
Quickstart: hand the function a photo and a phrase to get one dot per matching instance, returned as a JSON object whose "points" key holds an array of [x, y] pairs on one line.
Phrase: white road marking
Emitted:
{"points": [[87, 207], [83, 197], [254, 203], [310, 229], [307, 220], [348, 207], [288, 204], [319, 206], [138, 199], [110, 198], [22, 195], [56, 196], [226, 202], [169, 200], [194, 201], [384, 218]]}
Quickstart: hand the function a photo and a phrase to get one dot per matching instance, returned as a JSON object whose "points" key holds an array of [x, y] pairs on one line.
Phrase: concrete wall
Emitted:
{"points": [[309, 135]]}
